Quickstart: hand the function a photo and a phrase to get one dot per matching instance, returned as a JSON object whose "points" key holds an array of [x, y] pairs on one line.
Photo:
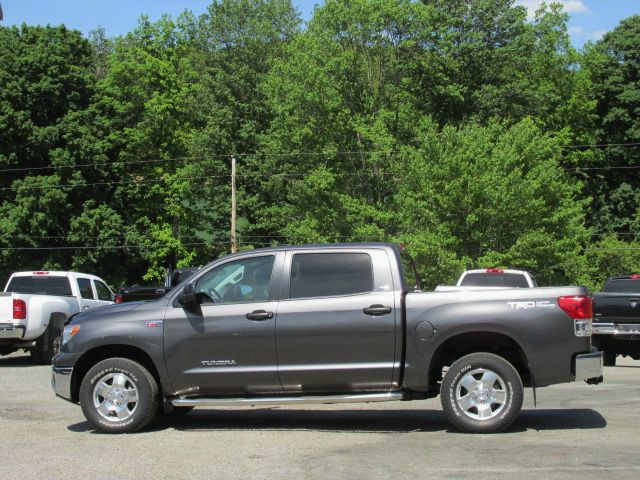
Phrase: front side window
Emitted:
{"points": [[103, 291], [330, 274], [245, 280], [86, 292]]}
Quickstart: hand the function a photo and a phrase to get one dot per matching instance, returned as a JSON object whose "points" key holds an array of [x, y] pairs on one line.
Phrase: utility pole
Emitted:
{"points": [[233, 205]]}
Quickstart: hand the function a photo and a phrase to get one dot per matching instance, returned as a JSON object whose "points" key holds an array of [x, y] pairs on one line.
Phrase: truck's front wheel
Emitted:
{"points": [[481, 393], [119, 395]]}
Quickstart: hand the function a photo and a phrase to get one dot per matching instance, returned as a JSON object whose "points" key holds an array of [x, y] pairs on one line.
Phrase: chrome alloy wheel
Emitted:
{"points": [[115, 397], [481, 394]]}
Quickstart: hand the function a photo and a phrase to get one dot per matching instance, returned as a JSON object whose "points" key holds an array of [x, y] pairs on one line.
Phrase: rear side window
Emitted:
{"points": [[40, 285], [330, 274], [622, 285], [84, 285], [514, 280]]}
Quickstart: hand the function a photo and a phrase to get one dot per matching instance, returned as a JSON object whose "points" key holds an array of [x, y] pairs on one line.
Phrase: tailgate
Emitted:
{"points": [[617, 307], [6, 307]]}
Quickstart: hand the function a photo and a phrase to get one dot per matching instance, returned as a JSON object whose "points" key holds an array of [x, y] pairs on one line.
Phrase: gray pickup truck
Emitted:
{"points": [[323, 324]]}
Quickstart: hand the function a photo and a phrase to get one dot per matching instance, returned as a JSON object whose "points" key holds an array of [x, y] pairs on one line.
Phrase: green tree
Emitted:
{"points": [[614, 62]]}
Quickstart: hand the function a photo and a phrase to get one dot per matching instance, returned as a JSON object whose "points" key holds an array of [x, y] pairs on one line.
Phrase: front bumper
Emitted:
{"points": [[61, 381], [589, 366]]}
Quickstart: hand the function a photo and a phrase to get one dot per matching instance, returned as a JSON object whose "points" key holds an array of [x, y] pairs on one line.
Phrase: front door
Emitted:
{"points": [[226, 345], [336, 331]]}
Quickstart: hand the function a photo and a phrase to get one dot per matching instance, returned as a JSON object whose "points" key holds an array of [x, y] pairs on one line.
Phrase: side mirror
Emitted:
{"points": [[188, 297]]}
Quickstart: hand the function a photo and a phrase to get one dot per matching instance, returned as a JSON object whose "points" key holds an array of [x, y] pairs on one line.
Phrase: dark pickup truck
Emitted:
{"points": [[136, 294], [324, 324], [616, 324]]}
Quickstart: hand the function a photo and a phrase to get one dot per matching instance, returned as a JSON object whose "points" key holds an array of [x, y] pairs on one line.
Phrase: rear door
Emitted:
{"points": [[337, 322], [87, 297]]}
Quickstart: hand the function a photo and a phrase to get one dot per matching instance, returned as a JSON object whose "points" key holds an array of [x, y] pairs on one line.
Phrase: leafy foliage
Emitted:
{"points": [[441, 124]]}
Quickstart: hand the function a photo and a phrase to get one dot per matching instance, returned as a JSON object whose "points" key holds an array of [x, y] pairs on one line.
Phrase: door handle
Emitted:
{"points": [[259, 315], [377, 310]]}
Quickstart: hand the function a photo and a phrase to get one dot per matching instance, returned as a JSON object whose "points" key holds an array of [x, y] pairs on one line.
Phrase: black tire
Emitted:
{"points": [[37, 356], [609, 358], [495, 404], [116, 379], [40, 356]]}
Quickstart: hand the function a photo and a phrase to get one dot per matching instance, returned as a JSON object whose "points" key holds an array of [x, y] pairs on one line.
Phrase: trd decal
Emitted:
{"points": [[531, 304]]}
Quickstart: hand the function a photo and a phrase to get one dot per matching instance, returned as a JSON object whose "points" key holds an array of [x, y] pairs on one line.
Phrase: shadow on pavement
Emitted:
{"points": [[365, 421], [17, 361]]}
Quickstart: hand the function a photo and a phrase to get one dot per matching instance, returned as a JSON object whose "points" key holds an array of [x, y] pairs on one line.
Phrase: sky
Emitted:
{"points": [[590, 19]]}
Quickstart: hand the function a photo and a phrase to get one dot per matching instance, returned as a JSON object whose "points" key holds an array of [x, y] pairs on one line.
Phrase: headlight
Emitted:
{"points": [[69, 332]]}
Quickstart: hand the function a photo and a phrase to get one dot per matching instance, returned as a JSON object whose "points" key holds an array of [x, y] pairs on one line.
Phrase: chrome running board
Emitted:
{"points": [[308, 400]]}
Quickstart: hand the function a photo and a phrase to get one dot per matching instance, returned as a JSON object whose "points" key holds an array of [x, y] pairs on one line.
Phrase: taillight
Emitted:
{"points": [[19, 309], [578, 307], [494, 270], [118, 298], [635, 276]]}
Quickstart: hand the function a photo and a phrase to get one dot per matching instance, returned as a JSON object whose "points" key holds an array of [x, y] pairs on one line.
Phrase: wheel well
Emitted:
{"points": [[91, 357], [466, 343]]}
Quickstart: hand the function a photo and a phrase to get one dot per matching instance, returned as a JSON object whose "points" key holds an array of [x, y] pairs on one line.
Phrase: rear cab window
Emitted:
{"points": [[330, 274], [40, 285], [483, 279], [622, 285]]}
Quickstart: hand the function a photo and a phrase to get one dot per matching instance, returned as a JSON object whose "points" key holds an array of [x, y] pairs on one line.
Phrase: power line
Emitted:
{"points": [[123, 247], [262, 154], [247, 175], [603, 145], [201, 157]]}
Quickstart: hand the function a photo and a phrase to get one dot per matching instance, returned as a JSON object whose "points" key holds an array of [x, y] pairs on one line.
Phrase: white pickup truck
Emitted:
{"points": [[35, 305], [491, 279]]}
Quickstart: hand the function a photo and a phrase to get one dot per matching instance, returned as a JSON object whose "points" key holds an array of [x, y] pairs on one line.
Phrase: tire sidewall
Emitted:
{"points": [[513, 385], [147, 397]]}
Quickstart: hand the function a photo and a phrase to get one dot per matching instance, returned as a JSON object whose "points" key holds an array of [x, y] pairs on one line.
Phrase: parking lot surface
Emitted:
{"points": [[576, 431]]}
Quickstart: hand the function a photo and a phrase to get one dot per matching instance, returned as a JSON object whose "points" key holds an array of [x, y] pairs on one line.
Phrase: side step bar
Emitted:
{"points": [[308, 400]]}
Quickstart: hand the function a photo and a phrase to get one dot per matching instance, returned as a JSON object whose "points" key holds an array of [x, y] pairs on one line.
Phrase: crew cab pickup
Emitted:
{"points": [[616, 324], [35, 305], [491, 278], [323, 324]]}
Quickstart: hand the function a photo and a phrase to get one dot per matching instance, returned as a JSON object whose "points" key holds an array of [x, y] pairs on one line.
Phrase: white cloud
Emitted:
{"points": [[569, 6], [576, 30], [597, 34]]}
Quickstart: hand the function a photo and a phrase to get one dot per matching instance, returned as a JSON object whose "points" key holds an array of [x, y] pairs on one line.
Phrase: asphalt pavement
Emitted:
{"points": [[576, 431]]}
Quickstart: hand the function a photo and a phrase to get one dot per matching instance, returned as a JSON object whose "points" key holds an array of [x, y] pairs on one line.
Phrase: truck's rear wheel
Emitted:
{"points": [[119, 395], [54, 341], [481, 393]]}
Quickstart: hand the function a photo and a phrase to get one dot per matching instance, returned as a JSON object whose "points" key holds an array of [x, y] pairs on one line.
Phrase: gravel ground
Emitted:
{"points": [[577, 430]]}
